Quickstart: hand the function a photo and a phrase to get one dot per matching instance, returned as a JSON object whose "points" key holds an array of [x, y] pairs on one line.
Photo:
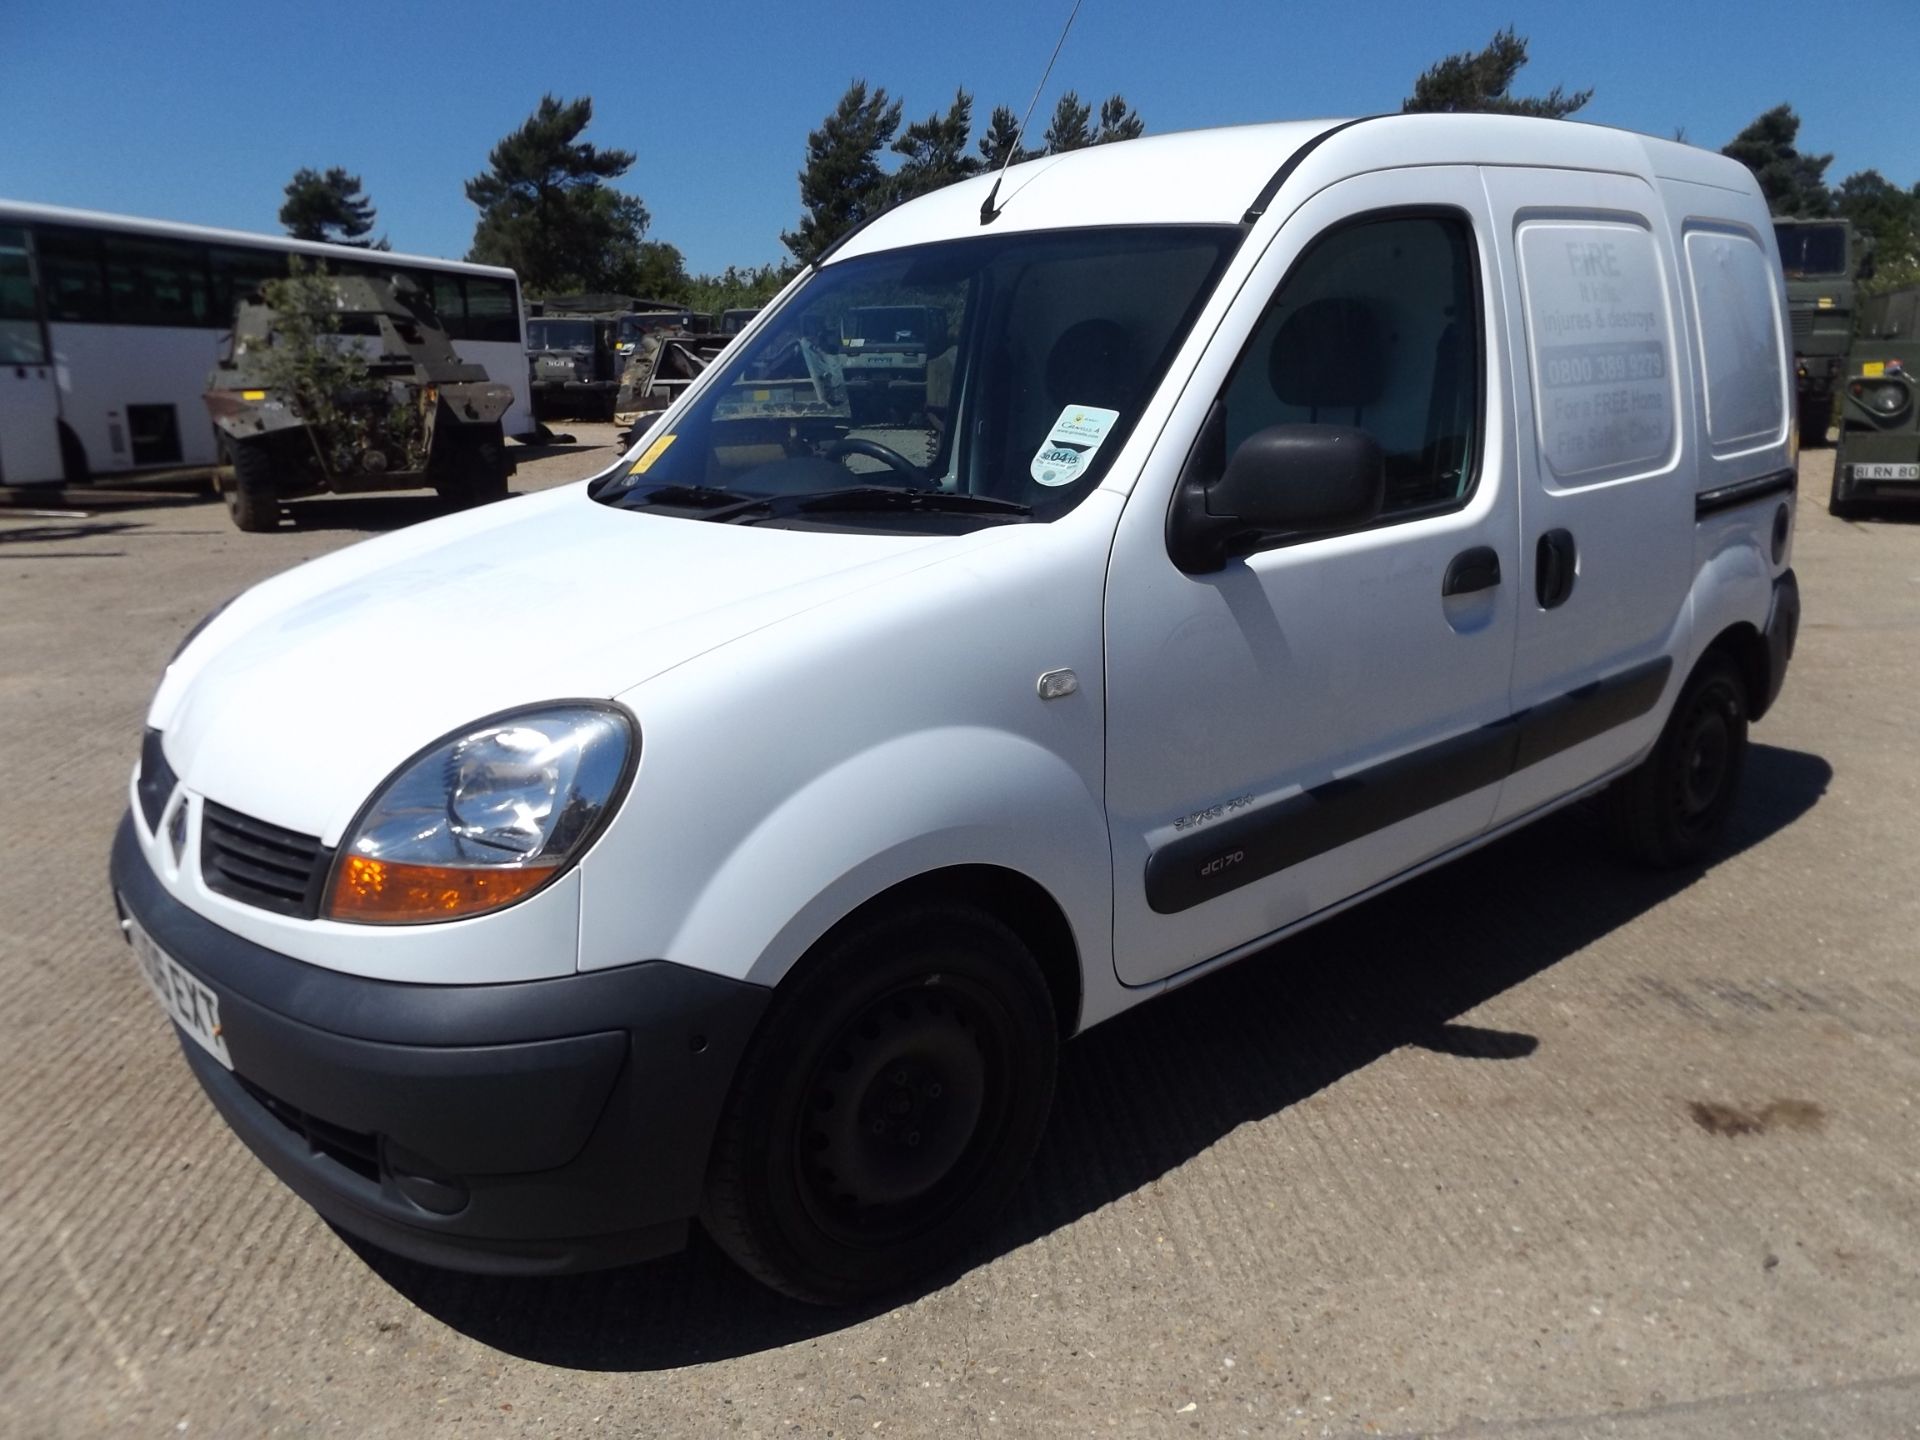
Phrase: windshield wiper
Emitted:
{"points": [[901, 497]]}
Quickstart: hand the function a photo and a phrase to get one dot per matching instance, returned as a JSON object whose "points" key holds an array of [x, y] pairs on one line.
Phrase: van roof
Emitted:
{"points": [[1213, 177]]}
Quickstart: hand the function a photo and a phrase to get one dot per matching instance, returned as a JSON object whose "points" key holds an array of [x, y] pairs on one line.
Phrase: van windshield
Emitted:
{"points": [[937, 387]]}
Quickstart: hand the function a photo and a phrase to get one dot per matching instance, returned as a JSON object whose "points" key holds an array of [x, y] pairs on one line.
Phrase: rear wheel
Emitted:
{"points": [[1670, 810], [888, 1107], [251, 500]]}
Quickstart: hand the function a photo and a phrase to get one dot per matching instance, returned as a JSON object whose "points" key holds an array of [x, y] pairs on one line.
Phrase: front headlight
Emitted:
{"points": [[483, 819]]}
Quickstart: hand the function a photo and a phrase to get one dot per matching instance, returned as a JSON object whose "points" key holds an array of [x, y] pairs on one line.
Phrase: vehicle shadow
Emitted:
{"points": [[1147, 1092], [372, 513]]}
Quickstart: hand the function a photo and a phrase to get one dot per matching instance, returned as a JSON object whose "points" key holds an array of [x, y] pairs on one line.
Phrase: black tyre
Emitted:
{"points": [[1840, 503], [1815, 412], [470, 465], [888, 1107], [251, 500], [1669, 811]]}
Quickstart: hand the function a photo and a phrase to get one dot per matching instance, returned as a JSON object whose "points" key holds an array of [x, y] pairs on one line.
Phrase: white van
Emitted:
{"points": [[1287, 510]]}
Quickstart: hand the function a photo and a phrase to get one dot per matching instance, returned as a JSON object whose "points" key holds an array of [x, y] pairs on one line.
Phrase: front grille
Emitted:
{"points": [[156, 780], [355, 1149], [1802, 324], [260, 864]]}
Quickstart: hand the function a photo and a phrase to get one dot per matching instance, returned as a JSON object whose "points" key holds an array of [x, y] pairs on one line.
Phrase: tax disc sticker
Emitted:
{"points": [[1063, 457]]}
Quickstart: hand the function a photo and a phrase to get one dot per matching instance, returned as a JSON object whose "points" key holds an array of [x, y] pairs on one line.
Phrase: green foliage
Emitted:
{"points": [[999, 141], [547, 211], [1794, 184], [327, 382], [1069, 129], [1118, 121], [936, 150], [329, 207], [1889, 217], [1483, 83], [737, 289], [842, 184]]}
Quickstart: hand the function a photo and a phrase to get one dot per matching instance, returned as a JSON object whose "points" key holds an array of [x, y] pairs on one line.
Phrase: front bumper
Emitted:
{"points": [[530, 1128]]}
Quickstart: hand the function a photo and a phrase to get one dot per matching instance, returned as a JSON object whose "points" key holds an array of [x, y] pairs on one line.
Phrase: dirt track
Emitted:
{"points": [[1537, 1145]]}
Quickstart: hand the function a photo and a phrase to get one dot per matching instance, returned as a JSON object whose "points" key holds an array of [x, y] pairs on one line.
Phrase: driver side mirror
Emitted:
{"points": [[1283, 484]]}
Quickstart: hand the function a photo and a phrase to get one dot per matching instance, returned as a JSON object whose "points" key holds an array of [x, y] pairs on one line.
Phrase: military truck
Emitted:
{"points": [[1879, 456], [361, 392], [575, 368], [1821, 258]]}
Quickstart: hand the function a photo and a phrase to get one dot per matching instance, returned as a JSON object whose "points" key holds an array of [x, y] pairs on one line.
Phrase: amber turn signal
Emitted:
{"points": [[391, 893]]}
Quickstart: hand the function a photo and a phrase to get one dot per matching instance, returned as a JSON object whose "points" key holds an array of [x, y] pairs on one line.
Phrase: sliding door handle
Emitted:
{"points": [[1471, 570], [1554, 568]]}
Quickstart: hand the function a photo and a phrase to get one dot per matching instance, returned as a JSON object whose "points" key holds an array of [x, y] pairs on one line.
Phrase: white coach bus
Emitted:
{"points": [[109, 325]]}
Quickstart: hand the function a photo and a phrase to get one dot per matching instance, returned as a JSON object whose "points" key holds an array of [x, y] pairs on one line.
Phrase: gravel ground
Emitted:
{"points": [[1535, 1146]]}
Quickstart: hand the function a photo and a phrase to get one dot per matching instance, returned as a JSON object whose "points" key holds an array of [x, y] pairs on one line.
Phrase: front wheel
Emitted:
{"points": [[1669, 811], [251, 501], [887, 1109], [470, 465]]}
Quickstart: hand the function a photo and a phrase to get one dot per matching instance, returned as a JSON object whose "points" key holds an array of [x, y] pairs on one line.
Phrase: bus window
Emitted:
{"points": [[493, 309], [450, 305], [237, 273], [71, 276], [19, 320], [157, 282]]}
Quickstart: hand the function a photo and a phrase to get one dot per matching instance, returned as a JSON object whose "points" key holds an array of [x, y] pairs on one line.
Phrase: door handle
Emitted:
{"points": [[1553, 568], [1471, 570]]}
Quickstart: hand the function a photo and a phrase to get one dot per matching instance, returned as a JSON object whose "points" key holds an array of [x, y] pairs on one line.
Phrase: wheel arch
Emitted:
{"points": [[1018, 901], [1742, 643]]}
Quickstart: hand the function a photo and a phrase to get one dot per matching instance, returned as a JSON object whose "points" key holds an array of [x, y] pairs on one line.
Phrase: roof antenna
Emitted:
{"points": [[987, 212]]}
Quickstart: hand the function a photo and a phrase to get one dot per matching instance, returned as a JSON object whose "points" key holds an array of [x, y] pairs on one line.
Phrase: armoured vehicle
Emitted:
{"points": [[1820, 258], [1879, 456], [662, 364], [383, 404]]}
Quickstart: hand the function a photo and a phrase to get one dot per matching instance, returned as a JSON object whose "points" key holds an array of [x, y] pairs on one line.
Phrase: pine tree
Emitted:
{"points": [[1003, 131], [936, 150], [1070, 129], [329, 207], [842, 184], [1118, 122], [1483, 83], [547, 211], [1794, 184]]}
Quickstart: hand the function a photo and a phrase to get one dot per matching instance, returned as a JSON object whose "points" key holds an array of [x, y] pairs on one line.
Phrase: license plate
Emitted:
{"points": [[190, 1005], [1886, 472]]}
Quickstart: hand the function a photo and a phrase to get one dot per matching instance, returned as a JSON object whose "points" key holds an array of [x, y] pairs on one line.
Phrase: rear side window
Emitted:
{"points": [[493, 309], [1738, 317], [1377, 325], [1601, 342]]}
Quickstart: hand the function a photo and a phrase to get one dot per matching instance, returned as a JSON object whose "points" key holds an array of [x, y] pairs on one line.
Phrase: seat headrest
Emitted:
{"points": [[1091, 364], [1330, 354]]}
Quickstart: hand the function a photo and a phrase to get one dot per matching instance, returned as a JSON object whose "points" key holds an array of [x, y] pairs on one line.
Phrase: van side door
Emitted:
{"points": [[1605, 459], [1312, 718]]}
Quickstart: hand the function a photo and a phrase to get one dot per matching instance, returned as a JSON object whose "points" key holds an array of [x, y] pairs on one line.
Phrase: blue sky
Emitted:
{"points": [[202, 113]]}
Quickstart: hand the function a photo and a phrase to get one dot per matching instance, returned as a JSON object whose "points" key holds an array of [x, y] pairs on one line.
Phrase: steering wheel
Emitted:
{"points": [[873, 449]]}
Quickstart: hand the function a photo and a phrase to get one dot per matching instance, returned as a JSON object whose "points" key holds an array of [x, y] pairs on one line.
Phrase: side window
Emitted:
{"points": [[493, 309], [237, 273], [71, 276], [1377, 326], [1601, 342], [157, 282], [19, 317], [450, 304], [1740, 346]]}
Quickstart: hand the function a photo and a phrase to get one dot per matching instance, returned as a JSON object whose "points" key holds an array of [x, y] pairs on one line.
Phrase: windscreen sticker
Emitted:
{"points": [[652, 453], [1063, 457]]}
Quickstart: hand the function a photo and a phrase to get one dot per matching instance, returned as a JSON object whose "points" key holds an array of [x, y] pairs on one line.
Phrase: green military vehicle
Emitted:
{"points": [[1820, 258], [359, 391], [1879, 456]]}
